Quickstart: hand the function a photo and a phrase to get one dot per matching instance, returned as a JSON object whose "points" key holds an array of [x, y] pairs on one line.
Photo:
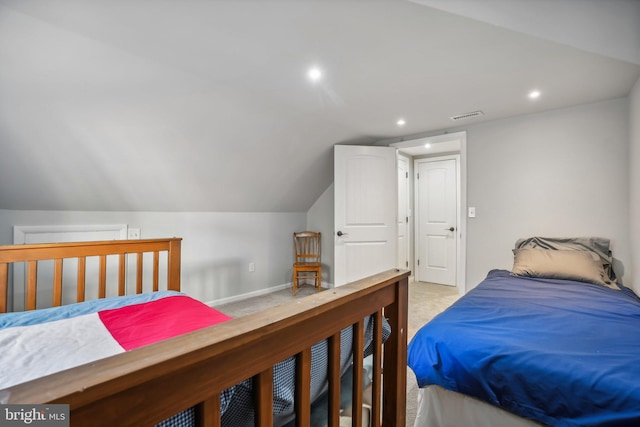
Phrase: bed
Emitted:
{"points": [[554, 342], [209, 361]]}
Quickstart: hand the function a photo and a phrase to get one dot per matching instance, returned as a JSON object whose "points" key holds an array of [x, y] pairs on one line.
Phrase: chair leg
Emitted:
{"points": [[293, 283]]}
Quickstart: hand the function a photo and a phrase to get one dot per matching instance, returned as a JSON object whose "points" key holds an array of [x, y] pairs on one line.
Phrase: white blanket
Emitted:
{"points": [[30, 352]]}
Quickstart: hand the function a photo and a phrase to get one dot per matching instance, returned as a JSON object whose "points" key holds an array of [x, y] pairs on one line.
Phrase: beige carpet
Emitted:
{"points": [[426, 300]]}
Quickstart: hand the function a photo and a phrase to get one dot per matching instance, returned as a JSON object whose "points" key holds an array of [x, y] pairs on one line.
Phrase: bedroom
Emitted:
{"points": [[114, 181], [226, 219]]}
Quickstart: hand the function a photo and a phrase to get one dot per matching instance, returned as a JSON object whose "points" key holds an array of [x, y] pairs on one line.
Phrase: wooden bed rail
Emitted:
{"points": [[152, 383], [32, 254]]}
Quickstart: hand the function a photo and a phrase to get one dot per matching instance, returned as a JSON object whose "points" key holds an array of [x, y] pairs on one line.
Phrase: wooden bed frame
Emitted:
{"points": [[152, 383]]}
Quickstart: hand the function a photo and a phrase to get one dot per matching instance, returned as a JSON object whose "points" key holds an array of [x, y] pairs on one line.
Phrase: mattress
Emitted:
{"points": [[560, 352]]}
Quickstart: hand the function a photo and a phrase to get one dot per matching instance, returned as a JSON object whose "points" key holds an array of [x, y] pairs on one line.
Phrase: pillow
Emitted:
{"points": [[582, 266], [597, 245]]}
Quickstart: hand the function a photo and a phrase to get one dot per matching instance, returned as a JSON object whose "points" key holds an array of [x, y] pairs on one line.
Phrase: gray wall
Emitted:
{"points": [[634, 183], [216, 250], [558, 173], [321, 218]]}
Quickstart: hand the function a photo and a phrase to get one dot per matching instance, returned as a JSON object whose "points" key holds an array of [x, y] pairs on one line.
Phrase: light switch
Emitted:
{"points": [[472, 212]]}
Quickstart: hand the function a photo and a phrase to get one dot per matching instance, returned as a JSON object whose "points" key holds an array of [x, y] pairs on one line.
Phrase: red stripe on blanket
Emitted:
{"points": [[141, 324]]}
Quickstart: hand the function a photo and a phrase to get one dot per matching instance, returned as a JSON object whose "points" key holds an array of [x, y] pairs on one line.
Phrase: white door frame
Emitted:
{"points": [[462, 196], [416, 197], [407, 205]]}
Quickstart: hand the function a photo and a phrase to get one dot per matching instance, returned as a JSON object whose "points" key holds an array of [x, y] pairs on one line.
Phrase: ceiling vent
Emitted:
{"points": [[467, 115]]}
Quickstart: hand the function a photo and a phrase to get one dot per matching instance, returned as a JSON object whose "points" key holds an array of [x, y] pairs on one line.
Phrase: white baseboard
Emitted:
{"points": [[256, 294]]}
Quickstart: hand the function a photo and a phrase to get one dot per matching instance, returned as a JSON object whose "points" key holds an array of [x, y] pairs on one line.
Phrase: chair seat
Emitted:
{"points": [[300, 265]]}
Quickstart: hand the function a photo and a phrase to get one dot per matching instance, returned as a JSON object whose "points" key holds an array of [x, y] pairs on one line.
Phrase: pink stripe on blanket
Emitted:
{"points": [[137, 325]]}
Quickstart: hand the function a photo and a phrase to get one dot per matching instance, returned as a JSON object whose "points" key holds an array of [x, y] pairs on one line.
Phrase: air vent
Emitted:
{"points": [[467, 115]]}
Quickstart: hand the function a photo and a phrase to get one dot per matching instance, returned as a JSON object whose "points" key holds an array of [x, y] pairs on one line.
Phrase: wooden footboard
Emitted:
{"points": [[31, 255], [152, 383]]}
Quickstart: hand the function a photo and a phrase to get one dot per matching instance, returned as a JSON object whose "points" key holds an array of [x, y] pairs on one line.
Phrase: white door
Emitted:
{"points": [[403, 213], [365, 211], [436, 218]]}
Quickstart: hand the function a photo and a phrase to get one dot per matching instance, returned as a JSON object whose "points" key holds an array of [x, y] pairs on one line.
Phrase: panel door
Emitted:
{"points": [[365, 211], [437, 212]]}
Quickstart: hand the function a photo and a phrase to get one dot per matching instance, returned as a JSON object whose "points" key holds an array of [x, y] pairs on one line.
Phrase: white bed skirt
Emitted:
{"points": [[438, 407]]}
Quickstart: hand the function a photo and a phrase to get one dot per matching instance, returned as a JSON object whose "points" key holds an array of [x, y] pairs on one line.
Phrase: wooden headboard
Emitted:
{"points": [[58, 252], [150, 384]]}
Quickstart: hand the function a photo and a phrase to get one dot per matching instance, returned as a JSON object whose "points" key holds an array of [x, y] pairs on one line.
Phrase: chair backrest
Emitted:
{"points": [[307, 246]]}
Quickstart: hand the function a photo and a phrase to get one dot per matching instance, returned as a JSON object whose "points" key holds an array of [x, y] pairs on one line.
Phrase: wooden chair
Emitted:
{"points": [[307, 259]]}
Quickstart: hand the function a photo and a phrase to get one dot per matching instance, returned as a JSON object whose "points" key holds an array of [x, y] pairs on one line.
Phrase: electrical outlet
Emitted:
{"points": [[252, 267], [133, 233], [472, 212]]}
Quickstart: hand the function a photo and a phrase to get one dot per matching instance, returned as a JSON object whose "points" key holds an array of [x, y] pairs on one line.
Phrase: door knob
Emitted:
{"points": [[340, 234], [451, 229]]}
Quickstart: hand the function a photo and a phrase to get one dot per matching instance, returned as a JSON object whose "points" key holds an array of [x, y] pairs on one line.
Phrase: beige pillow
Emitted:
{"points": [[582, 266]]}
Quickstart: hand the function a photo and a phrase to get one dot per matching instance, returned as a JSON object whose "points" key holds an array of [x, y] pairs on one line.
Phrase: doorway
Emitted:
{"points": [[441, 147]]}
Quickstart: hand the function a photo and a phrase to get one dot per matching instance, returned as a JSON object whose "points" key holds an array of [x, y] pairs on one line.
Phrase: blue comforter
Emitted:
{"points": [[560, 352]]}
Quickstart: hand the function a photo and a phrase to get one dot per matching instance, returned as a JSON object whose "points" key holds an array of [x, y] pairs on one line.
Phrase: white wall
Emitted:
{"points": [[634, 184], [558, 173], [216, 248], [608, 27], [320, 217]]}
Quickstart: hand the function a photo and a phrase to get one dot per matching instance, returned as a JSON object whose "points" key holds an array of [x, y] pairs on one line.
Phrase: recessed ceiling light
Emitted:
{"points": [[534, 94], [401, 122], [427, 145], [314, 74]]}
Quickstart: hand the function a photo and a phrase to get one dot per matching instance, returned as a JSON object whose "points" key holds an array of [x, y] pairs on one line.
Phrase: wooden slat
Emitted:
{"points": [[395, 359], [358, 358], [333, 374], [156, 269], [173, 279], [32, 284], [4, 287], [57, 282], [42, 251], [208, 412], [102, 281], [122, 268], [376, 387], [82, 277], [263, 397], [303, 388], [139, 274]]}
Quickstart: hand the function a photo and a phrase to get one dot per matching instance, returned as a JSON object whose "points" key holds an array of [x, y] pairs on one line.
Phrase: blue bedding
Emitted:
{"points": [[34, 317], [561, 352]]}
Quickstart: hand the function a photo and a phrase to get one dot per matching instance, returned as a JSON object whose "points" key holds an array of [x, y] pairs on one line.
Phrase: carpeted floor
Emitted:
{"points": [[426, 300]]}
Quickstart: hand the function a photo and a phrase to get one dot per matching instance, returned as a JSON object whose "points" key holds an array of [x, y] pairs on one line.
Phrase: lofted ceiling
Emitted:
{"points": [[191, 105]]}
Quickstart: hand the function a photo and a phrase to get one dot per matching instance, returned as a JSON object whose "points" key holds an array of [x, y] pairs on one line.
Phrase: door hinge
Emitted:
{"points": [[418, 175], [418, 262], [407, 220], [407, 264], [407, 176]]}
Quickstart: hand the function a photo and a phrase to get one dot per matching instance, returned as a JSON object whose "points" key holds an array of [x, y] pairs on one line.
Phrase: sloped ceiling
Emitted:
{"points": [[151, 105]]}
